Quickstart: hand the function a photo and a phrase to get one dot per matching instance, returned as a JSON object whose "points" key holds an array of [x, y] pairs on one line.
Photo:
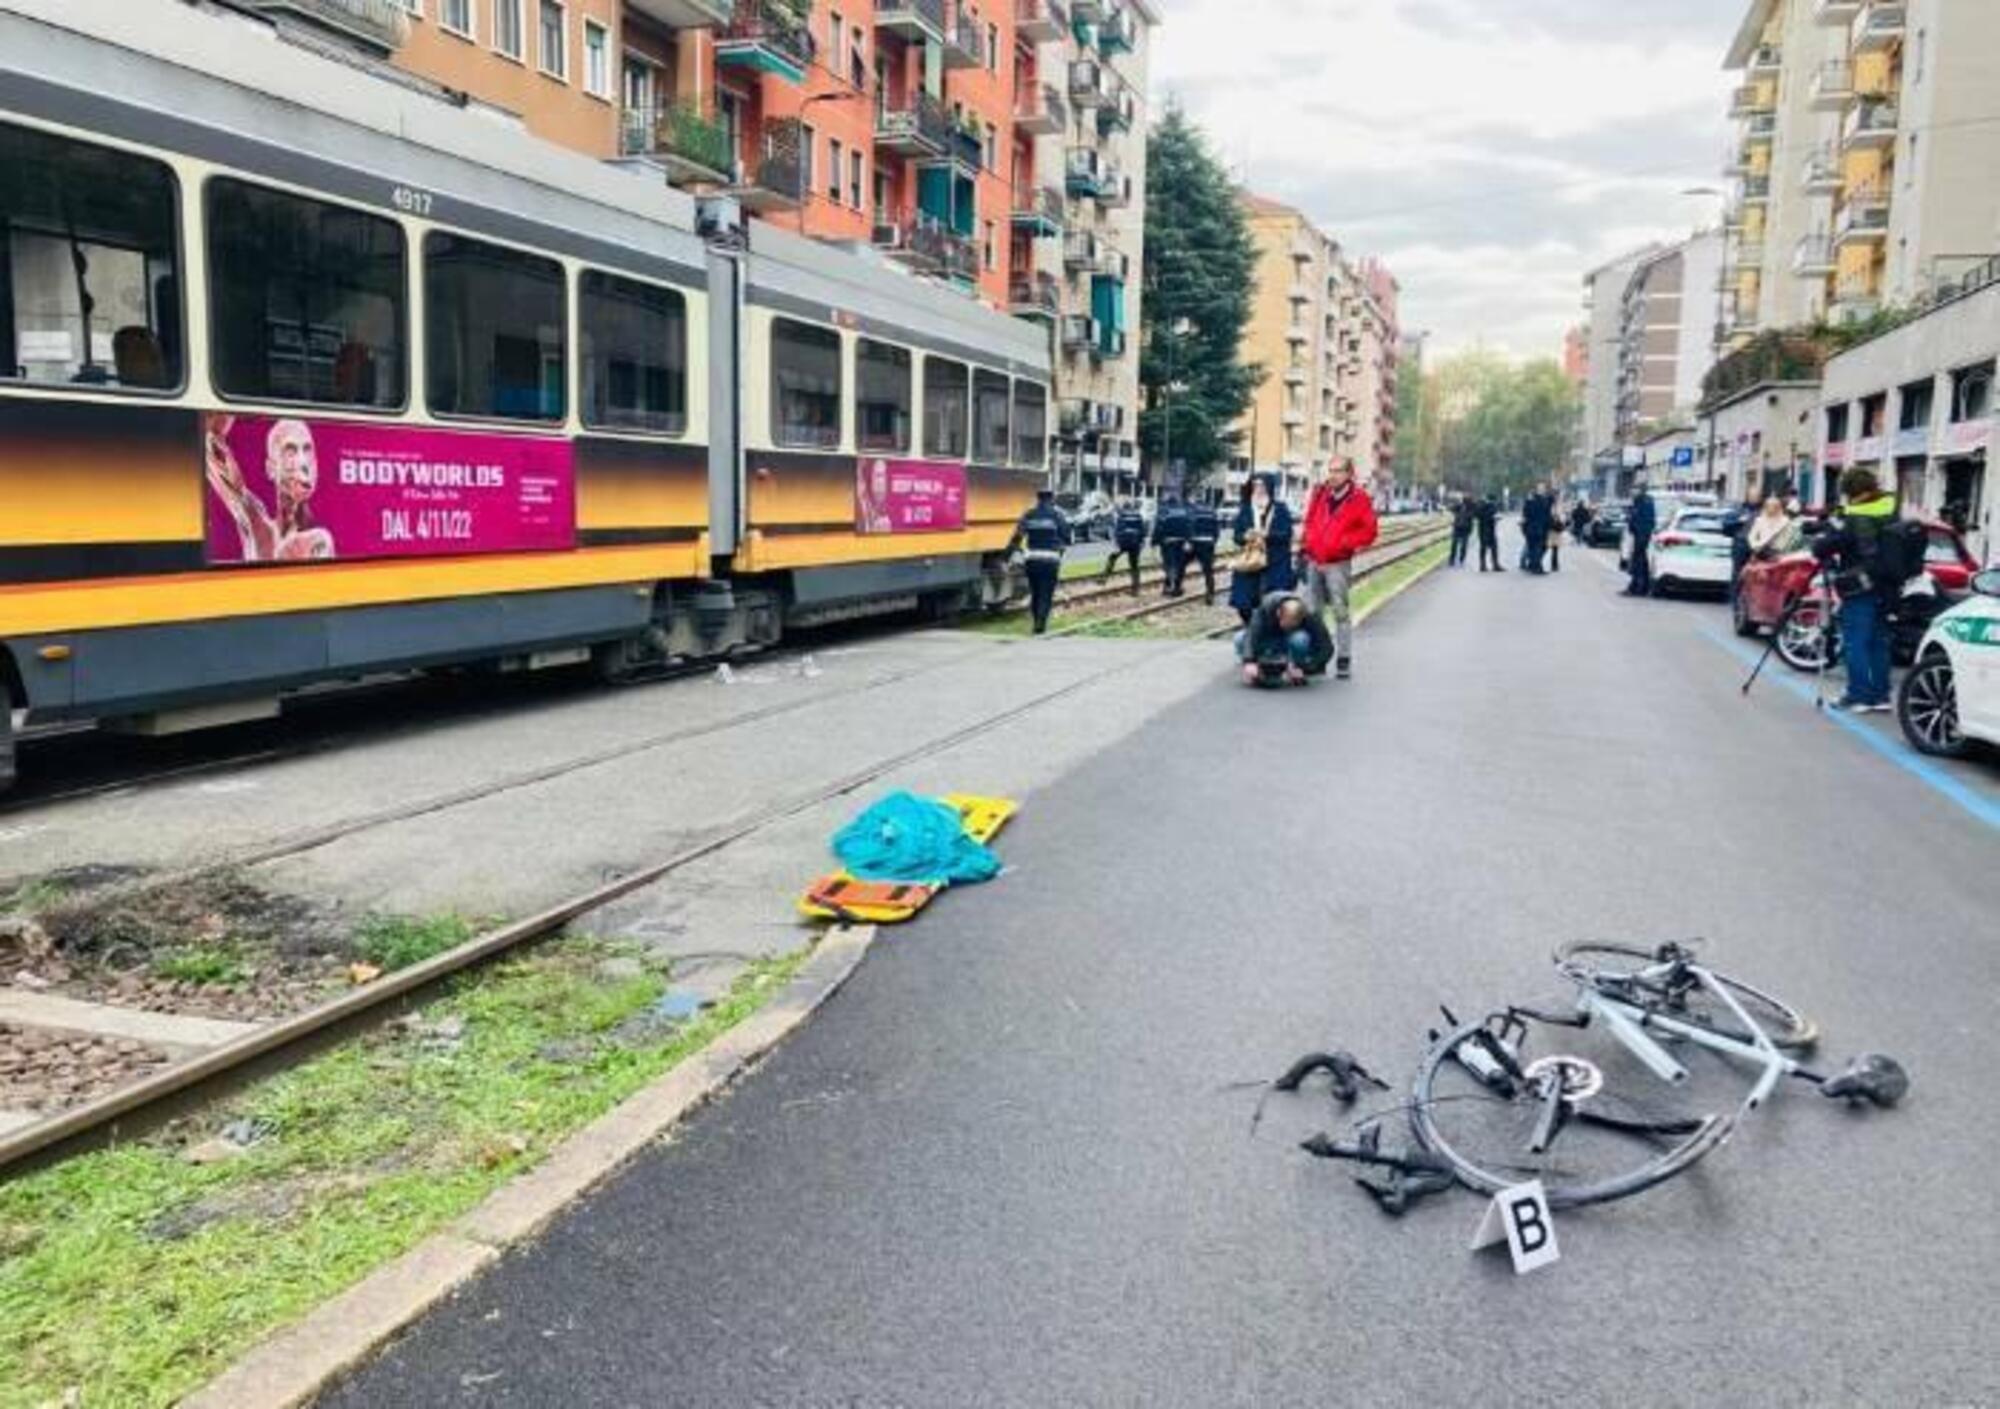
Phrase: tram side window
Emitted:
{"points": [[494, 338], [945, 408], [805, 385], [883, 397], [90, 287], [989, 418], [1031, 425], [634, 355], [306, 299]]}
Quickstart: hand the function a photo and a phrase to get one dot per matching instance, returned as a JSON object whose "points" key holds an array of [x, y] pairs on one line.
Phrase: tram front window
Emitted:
{"points": [[945, 408], [634, 355], [883, 398], [89, 266], [1031, 425], [306, 299], [989, 419]]}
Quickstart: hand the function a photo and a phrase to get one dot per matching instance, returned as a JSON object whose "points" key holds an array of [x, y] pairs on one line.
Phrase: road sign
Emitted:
{"points": [[1683, 456]]}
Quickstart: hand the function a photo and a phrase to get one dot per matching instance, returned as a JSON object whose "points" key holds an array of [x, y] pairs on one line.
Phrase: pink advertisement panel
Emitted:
{"points": [[908, 496], [295, 490]]}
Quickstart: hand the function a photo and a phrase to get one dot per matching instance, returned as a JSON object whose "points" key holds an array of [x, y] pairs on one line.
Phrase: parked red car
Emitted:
{"points": [[1779, 594]]}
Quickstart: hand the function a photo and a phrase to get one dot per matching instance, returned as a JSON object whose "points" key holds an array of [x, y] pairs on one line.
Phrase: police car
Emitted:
{"points": [[1950, 698]]}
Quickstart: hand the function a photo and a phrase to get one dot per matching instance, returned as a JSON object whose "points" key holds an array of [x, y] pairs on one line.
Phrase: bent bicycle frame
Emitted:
{"points": [[1628, 1022]]}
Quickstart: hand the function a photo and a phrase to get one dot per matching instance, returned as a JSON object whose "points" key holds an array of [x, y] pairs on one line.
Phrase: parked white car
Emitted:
{"points": [[1950, 698], [1690, 553], [1665, 507]]}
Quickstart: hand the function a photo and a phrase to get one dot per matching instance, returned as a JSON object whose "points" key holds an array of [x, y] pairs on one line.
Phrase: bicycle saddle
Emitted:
{"points": [[1869, 1077]]}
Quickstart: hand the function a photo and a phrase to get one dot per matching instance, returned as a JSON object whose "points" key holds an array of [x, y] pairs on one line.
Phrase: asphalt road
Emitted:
{"points": [[1011, 1163]]}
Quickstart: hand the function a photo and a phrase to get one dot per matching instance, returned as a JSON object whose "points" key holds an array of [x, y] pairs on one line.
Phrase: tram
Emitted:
{"points": [[309, 376]]}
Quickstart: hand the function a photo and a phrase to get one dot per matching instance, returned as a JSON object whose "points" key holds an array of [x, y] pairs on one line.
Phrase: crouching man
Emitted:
{"points": [[1286, 643]]}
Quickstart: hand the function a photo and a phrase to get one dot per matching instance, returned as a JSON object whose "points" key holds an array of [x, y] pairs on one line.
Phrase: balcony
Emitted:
{"points": [[1832, 12], [1864, 215], [1119, 112], [1812, 257], [1821, 173], [1041, 110], [964, 41], [1295, 374], [690, 146], [379, 25], [777, 183], [1114, 191], [1074, 415], [1035, 295], [1038, 209], [928, 247], [919, 130], [1081, 250], [1832, 87], [1856, 298], [767, 38], [1299, 292], [1117, 32], [1767, 59], [1756, 190], [1089, 84], [1298, 334], [687, 14], [1111, 264], [1084, 172], [1110, 343], [1880, 26], [1079, 332], [1870, 124], [1292, 416], [1041, 21], [1750, 254], [1753, 98], [915, 21], [1760, 128]]}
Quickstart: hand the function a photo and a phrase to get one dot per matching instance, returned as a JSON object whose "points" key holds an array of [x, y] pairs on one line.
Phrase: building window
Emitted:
{"points": [[596, 59], [857, 59], [805, 385], [1031, 425], [989, 244], [992, 145], [494, 331], [641, 82], [554, 55], [856, 178], [836, 34], [990, 395], [833, 151], [634, 354], [944, 408], [882, 398], [306, 299], [456, 16], [415, 7], [94, 294], [808, 140], [509, 36], [993, 48]]}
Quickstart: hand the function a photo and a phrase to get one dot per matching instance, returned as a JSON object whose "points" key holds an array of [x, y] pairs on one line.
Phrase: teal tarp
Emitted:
{"points": [[909, 838]]}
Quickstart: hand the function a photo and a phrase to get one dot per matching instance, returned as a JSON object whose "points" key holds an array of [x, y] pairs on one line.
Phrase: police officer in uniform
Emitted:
{"points": [[1128, 532], [1204, 528], [1170, 536], [1045, 532]]}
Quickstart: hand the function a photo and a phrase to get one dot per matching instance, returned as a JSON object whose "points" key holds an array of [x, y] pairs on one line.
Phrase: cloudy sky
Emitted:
{"points": [[1490, 150]]}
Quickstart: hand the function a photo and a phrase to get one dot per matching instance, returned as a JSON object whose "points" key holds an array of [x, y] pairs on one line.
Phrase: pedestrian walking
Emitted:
{"points": [[1285, 642], [1537, 516], [1852, 548], [1486, 514], [1170, 536], [1128, 538], [1579, 522], [1204, 529], [1044, 532], [1263, 536], [1461, 528], [1340, 522], [1555, 538], [1640, 523]]}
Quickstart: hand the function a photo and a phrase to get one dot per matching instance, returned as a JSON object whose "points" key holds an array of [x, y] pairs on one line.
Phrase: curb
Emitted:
{"points": [[293, 1365], [1398, 590]]}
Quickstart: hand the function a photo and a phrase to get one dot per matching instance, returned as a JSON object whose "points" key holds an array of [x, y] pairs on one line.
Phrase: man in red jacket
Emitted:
{"points": [[1340, 522]]}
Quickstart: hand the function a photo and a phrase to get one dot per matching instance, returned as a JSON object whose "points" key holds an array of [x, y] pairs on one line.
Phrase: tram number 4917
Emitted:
{"points": [[411, 201]]}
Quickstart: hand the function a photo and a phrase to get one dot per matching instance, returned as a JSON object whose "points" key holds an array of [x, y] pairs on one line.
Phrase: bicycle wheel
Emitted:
{"points": [[1612, 1130], [1622, 971]]}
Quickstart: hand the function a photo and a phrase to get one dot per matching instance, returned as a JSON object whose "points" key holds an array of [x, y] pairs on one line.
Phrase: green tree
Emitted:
{"points": [[1500, 424], [1198, 282]]}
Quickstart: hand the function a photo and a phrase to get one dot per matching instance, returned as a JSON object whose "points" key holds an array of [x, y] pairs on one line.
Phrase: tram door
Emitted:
{"points": [[725, 404]]}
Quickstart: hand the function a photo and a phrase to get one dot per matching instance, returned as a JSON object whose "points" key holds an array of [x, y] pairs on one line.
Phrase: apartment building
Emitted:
{"points": [[1099, 149], [1604, 304], [1864, 163], [1325, 330], [1665, 344]]}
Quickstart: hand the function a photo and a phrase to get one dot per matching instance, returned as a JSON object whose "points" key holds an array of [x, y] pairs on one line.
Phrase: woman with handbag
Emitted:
{"points": [[1263, 534]]}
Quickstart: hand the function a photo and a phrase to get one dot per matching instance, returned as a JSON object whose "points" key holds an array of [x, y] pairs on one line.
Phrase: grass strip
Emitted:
{"points": [[131, 1275]]}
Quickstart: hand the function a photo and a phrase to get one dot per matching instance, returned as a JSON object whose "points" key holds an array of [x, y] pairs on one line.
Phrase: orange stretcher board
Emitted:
{"points": [[846, 898]]}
